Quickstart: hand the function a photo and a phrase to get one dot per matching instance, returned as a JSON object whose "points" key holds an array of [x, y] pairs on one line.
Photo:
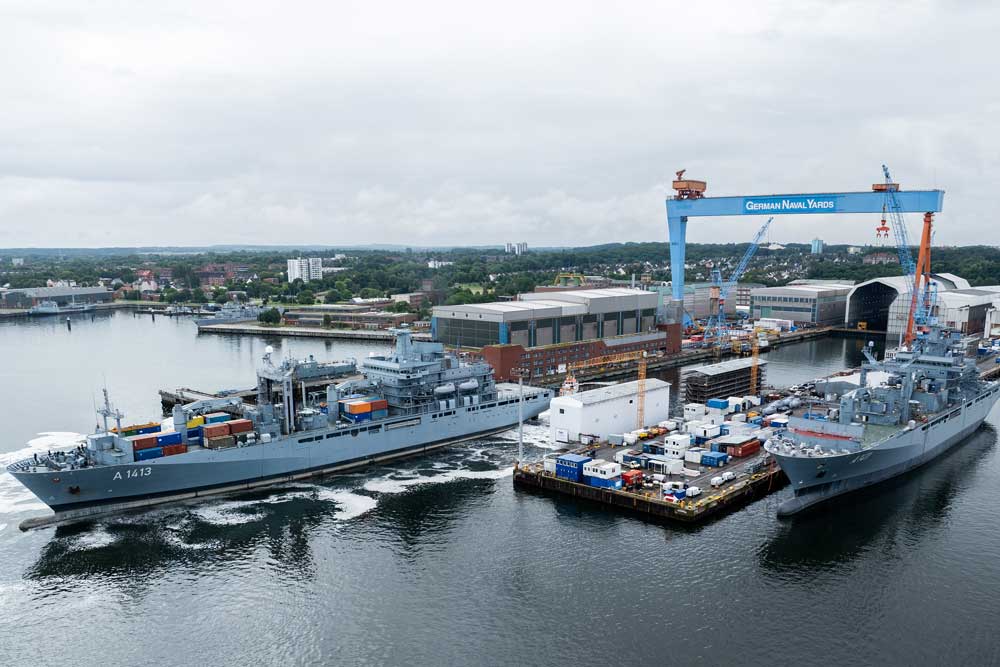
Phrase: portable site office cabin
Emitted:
{"points": [[606, 410]]}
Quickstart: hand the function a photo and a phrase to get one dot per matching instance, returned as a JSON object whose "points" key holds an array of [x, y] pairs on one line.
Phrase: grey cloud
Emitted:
{"points": [[448, 123]]}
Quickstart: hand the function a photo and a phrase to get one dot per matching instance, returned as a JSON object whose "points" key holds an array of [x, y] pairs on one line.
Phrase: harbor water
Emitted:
{"points": [[437, 560]]}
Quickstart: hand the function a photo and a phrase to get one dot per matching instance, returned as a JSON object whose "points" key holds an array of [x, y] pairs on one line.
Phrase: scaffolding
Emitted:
{"points": [[722, 380]]}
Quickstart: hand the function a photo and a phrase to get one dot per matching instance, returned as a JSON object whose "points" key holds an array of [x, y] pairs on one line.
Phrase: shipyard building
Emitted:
{"points": [[543, 333], [815, 303], [64, 296], [546, 318], [883, 304]]}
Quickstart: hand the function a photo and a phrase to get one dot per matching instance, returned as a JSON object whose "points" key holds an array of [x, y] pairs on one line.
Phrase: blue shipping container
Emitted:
{"points": [[612, 483], [379, 414], [194, 432], [358, 418], [568, 472], [148, 429], [151, 453], [723, 429], [169, 438], [719, 403], [215, 419], [714, 459]]}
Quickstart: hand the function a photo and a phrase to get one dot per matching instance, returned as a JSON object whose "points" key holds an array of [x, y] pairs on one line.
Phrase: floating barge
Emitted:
{"points": [[741, 491]]}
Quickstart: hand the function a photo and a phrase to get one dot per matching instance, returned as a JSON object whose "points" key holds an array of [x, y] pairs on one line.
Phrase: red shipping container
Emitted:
{"points": [[170, 450], [215, 430], [144, 441], [631, 477], [240, 426], [380, 404], [745, 450]]}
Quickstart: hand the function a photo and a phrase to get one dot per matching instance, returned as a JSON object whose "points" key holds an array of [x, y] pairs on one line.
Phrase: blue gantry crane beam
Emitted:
{"points": [[691, 202], [717, 322]]}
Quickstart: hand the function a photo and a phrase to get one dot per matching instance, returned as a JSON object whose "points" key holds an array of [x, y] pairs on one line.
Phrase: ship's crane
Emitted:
{"points": [[717, 321], [570, 384]]}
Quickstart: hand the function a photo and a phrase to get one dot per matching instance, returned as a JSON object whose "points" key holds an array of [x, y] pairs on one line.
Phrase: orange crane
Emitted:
{"points": [[570, 384]]}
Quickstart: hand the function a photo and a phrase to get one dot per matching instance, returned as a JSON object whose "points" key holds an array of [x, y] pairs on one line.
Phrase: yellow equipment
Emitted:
{"points": [[755, 351]]}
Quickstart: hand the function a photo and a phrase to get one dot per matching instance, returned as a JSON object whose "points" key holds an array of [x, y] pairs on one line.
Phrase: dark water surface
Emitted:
{"points": [[439, 561]]}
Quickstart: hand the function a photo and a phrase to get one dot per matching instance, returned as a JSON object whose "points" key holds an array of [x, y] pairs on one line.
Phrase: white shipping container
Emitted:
{"points": [[739, 417], [675, 451], [712, 431], [693, 455], [549, 465], [682, 439], [753, 401], [691, 473], [675, 467], [693, 410], [717, 419]]}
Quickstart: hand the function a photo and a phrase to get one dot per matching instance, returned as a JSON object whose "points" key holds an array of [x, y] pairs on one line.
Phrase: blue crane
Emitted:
{"points": [[717, 321], [925, 301]]}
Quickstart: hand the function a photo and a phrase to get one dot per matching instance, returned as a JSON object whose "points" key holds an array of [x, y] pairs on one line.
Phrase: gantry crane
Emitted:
{"points": [[570, 384]]}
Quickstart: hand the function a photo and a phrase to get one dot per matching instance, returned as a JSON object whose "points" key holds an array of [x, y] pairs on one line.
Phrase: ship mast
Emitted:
{"points": [[106, 411]]}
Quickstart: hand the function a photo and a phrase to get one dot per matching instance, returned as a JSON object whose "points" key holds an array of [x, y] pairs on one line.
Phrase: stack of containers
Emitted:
{"points": [[746, 449], [145, 447], [694, 411], [677, 444], [170, 450], [356, 410], [380, 409], [217, 435], [570, 466], [604, 474]]}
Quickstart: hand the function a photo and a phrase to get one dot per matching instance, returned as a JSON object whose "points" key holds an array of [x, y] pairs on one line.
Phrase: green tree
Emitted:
{"points": [[327, 321], [306, 298], [270, 316]]}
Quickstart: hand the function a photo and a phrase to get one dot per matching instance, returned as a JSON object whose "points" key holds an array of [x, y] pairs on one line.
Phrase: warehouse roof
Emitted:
{"points": [[612, 392], [727, 366], [50, 292]]}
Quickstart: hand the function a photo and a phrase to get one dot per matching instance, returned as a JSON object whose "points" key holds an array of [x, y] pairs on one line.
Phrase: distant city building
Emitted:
{"points": [[817, 246], [854, 250], [437, 263], [305, 269], [60, 283], [881, 258], [517, 248], [17, 261]]}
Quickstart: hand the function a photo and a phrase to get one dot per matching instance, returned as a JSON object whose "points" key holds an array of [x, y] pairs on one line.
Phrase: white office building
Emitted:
{"points": [[305, 269]]}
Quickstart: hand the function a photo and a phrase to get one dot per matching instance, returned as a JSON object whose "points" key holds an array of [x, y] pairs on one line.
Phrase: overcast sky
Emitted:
{"points": [[470, 123]]}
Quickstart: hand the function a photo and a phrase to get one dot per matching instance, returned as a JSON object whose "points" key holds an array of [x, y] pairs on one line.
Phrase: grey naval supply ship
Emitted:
{"points": [[905, 410], [408, 402]]}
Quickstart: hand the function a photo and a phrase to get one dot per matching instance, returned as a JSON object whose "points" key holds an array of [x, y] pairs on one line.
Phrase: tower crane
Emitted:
{"points": [[717, 321], [570, 384]]}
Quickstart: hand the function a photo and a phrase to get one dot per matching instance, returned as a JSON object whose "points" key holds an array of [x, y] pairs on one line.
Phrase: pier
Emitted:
{"points": [[254, 329], [713, 502]]}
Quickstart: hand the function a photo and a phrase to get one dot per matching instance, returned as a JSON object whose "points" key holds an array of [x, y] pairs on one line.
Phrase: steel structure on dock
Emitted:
{"points": [[690, 201], [727, 378]]}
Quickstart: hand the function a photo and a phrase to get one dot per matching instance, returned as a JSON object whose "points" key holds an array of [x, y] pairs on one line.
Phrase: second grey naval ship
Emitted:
{"points": [[411, 401], [905, 410]]}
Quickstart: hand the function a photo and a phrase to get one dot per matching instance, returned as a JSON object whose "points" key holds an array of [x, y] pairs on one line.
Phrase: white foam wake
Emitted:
{"points": [[14, 498], [389, 484]]}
